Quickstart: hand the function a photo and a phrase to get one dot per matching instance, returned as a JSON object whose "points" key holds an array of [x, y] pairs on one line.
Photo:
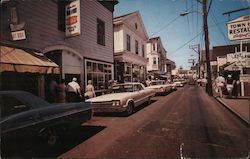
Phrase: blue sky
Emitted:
{"points": [[161, 18]]}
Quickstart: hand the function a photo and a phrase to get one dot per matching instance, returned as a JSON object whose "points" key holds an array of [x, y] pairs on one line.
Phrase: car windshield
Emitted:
{"points": [[122, 88]]}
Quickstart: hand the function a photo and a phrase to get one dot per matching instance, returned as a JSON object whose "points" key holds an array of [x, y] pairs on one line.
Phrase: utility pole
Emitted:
{"points": [[194, 47], [205, 27]]}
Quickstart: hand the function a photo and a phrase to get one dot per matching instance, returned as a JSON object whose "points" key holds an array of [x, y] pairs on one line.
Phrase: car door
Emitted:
{"points": [[137, 95]]}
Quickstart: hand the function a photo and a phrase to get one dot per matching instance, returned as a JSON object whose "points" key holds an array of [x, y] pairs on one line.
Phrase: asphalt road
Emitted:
{"points": [[184, 124]]}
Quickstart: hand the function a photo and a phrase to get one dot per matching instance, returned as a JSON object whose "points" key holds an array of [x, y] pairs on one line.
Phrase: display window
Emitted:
{"points": [[99, 73]]}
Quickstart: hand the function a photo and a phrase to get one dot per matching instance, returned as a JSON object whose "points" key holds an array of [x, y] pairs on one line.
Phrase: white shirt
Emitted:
{"points": [[73, 87]]}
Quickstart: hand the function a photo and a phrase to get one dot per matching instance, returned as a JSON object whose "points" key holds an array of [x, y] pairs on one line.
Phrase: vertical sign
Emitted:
{"points": [[72, 19]]}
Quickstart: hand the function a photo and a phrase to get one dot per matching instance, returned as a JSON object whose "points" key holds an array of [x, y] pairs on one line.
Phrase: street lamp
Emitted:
{"points": [[205, 28]]}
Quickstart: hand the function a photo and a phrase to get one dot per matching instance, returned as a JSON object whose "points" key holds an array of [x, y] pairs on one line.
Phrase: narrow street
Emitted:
{"points": [[185, 123]]}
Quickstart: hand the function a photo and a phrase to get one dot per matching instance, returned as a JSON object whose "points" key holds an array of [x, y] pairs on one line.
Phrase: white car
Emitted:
{"points": [[178, 84], [124, 98], [160, 87]]}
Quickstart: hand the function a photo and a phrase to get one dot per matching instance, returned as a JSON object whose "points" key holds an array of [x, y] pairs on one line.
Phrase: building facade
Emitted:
{"points": [[156, 58], [130, 39], [76, 35]]}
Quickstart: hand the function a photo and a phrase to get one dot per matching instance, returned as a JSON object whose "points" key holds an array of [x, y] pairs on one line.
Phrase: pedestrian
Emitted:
{"points": [[235, 88], [229, 86], [74, 91], [62, 91], [220, 84], [90, 90], [53, 91]]}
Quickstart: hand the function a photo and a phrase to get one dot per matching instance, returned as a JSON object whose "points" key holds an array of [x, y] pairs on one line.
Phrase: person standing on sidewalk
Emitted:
{"points": [[74, 91], [62, 91], [90, 90], [230, 86], [220, 84]]}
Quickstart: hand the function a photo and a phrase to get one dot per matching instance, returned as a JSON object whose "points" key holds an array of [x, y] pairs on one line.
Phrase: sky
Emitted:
{"points": [[162, 18]]}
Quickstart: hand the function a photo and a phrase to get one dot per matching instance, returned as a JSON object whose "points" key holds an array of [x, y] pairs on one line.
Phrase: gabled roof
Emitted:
{"points": [[122, 19]]}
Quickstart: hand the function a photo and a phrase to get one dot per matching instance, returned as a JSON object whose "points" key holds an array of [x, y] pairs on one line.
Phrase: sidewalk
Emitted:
{"points": [[239, 106]]}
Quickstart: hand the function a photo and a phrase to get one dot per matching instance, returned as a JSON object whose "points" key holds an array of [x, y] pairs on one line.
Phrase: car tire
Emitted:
{"points": [[130, 109]]}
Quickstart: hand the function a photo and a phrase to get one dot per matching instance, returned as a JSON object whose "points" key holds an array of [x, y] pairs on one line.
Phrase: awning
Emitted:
{"points": [[131, 58], [18, 60]]}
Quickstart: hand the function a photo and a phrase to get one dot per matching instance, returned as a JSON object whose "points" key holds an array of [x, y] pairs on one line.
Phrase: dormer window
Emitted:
{"points": [[136, 26]]}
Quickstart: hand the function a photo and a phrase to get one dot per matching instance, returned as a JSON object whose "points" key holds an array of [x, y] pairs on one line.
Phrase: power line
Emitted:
{"points": [[165, 26], [209, 6]]}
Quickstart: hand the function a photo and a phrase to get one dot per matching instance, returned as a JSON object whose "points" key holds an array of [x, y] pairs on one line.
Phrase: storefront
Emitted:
{"points": [[24, 69], [130, 68], [100, 73]]}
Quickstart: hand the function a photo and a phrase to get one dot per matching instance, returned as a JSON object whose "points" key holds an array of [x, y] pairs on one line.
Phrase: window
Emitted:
{"points": [[154, 47], [99, 73], [158, 61], [61, 15], [143, 51], [100, 32], [147, 59], [12, 106], [154, 60], [128, 43], [136, 47], [136, 26]]}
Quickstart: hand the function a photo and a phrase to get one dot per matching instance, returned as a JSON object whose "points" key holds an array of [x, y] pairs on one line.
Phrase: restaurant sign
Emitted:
{"points": [[72, 19], [18, 35], [239, 29]]}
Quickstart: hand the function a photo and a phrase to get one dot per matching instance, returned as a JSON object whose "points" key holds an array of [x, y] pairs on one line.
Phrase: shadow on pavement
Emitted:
{"points": [[65, 143]]}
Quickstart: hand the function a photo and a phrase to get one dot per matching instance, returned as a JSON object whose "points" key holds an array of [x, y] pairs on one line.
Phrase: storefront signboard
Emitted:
{"points": [[18, 35], [239, 29], [72, 19]]}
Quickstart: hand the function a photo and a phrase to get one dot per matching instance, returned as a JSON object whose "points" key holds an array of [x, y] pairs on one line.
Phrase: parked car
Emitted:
{"points": [[124, 98], [160, 87], [26, 117], [178, 84]]}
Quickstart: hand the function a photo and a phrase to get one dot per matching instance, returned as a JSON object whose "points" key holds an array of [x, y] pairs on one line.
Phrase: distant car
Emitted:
{"points": [[178, 84], [26, 116], [173, 86], [160, 87], [124, 98]]}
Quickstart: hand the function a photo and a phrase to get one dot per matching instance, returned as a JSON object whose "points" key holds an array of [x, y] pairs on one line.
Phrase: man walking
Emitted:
{"points": [[220, 84], [73, 91]]}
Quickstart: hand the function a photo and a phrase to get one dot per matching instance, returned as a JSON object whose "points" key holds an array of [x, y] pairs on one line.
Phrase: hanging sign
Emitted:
{"points": [[18, 35], [72, 19], [239, 29]]}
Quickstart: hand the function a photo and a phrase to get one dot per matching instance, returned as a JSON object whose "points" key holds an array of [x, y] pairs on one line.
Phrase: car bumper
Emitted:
{"points": [[106, 109]]}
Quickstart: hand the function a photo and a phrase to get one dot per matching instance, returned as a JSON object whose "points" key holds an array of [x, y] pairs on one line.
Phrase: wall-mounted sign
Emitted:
{"points": [[18, 35], [72, 18], [239, 29]]}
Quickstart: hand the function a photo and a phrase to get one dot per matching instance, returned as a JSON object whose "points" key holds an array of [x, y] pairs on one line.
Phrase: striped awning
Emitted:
{"points": [[18, 60]]}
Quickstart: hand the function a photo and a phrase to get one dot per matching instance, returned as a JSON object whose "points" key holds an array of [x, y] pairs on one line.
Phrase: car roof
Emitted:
{"points": [[26, 97]]}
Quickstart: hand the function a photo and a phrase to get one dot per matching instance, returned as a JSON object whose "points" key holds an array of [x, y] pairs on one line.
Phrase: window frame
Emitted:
{"points": [[100, 32], [128, 42]]}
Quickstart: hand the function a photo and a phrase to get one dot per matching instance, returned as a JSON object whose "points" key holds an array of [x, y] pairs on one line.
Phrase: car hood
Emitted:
{"points": [[156, 86], [110, 97]]}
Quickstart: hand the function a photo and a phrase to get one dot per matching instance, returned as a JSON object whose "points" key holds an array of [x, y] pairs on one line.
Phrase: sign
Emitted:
{"points": [[18, 35], [72, 19], [245, 78], [240, 59], [239, 29]]}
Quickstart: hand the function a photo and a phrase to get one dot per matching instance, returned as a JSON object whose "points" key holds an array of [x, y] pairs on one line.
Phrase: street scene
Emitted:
{"points": [[88, 79]]}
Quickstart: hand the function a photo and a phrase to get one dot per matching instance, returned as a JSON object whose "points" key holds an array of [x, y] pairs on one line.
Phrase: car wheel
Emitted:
{"points": [[149, 100], [51, 137], [130, 108]]}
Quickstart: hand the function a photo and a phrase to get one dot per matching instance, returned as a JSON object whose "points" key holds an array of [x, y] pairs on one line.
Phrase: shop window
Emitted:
{"points": [[100, 32], [128, 43], [136, 47], [99, 74]]}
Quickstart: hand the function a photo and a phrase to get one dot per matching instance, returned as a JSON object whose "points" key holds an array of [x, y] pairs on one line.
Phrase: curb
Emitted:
{"points": [[233, 111]]}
